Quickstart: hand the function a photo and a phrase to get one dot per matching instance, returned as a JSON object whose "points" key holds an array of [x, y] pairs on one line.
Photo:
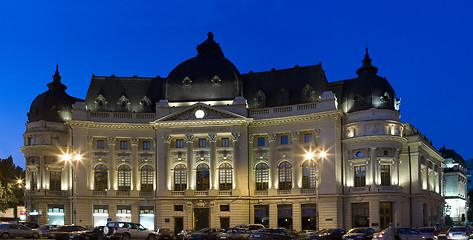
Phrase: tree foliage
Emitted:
{"points": [[11, 192]]}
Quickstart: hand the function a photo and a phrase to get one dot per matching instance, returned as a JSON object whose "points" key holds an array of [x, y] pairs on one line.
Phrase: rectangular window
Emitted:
{"points": [[225, 142], [146, 145], [34, 180], [284, 140], [308, 138], [385, 175], [202, 142], [123, 145], [55, 181], [178, 208], [179, 143], [261, 142], [360, 176], [224, 208], [360, 214], [100, 144]]}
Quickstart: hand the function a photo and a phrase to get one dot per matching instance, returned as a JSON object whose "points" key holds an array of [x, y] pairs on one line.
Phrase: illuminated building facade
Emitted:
{"points": [[208, 146]]}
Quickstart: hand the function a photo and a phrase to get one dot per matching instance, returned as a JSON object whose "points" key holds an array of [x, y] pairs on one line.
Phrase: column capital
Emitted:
{"points": [[212, 137], [112, 140], [167, 138], [295, 134], [134, 141], [90, 139], [235, 136], [272, 137], [189, 137]]}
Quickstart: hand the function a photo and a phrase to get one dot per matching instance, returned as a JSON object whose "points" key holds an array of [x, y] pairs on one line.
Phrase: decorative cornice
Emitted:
{"points": [[45, 149], [89, 124], [204, 122], [375, 138], [298, 118]]}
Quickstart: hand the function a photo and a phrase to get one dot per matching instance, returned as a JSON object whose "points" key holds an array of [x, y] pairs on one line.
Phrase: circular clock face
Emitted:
{"points": [[199, 113]]}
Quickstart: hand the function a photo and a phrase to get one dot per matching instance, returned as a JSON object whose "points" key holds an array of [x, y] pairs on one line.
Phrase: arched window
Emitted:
{"points": [[285, 176], [100, 177], [308, 174], [147, 178], [262, 176], [225, 176], [180, 177], [203, 177], [124, 178]]}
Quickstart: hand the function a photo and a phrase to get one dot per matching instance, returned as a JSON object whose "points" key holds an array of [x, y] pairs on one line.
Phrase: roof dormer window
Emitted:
{"points": [[145, 103], [100, 103], [216, 81], [123, 103], [260, 98], [186, 82]]}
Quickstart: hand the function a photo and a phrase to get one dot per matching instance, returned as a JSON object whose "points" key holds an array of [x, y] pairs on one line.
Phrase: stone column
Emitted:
{"points": [[297, 161], [396, 167], [41, 174], [190, 162], [112, 165], [90, 159], [274, 160], [427, 180], [251, 166], [213, 161], [273, 215], [165, 154], [135, 171], [373, 166], [236, 157]]}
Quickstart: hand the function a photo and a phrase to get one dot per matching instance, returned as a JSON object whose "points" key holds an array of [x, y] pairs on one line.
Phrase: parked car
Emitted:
{"points": [[234, 234], [359, 234], [271, 234], [62, 232], [183, 234], [11, 230], [250, 227], [305, 234], [44, 229], [458, 233], [205, 234], [328, 234], [406, 234], [127, 231], [31, 225], [164, 233], [89, 234]]}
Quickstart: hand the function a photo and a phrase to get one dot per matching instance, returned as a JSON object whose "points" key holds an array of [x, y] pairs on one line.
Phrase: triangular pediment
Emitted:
{"points": [[200, 111]]}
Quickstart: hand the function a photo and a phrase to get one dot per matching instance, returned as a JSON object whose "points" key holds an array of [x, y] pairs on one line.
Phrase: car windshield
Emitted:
{"points": [[427, 230], [357, 230], [457, 229], [204, 230]]}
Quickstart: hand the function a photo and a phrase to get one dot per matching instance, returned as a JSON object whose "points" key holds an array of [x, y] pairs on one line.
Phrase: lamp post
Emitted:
{"points": [[73, 160], [320, 156]]}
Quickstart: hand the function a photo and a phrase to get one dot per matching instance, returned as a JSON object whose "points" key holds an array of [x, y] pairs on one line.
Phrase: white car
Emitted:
{"points": [[458, 233]]}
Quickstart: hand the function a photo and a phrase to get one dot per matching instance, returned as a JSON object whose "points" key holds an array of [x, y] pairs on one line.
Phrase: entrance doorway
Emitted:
{"points": [[201, 216], [178, 225], [385, 214]]}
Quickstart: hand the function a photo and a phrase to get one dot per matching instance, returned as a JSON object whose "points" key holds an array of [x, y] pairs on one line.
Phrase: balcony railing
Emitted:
{"points": [[123, 193], [284, 192], [177, 193], [146, 193], [201, 193], [99, 193], [225, 192], [308, 191], [261, 192]]}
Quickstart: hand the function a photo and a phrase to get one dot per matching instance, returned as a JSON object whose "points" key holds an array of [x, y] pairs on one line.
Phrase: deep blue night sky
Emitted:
{"points": [[423, 48]]}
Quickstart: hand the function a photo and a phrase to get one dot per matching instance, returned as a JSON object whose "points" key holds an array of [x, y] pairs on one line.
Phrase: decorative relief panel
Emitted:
{"points": [[201, 203], [236, 136]]}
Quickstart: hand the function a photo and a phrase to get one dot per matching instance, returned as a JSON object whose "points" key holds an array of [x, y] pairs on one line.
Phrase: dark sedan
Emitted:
{"points": [[62, 232], [164, 233], [205, 234], [359, 234], [89, 234], [271, 234], [234, 234], [328, 234]]}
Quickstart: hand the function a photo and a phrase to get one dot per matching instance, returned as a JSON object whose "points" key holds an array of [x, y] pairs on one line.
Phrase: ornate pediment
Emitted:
{"points": [[200, 111]]}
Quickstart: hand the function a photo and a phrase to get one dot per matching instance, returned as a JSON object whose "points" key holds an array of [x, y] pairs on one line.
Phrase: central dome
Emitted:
{"points": [[207, 77]]}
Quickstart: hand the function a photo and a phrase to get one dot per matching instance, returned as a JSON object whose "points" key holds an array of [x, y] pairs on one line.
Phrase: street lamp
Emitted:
{"points": [[315, 157], [73, 160]]}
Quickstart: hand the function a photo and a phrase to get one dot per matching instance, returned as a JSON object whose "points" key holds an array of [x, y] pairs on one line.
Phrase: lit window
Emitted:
{"points": [[180, 178], [100, 177], [124, 178], [34, 180], [360, 176], [225, 176], [261, 142], [202, 142], [307, 137], [225, 142], [203, 177], [55, 180], [262, 176], [308, 174], [385, 175], [123, 145], [146, 145], [100, 144], [180, 143], [147, 178], [284, 140], [285, 176]]}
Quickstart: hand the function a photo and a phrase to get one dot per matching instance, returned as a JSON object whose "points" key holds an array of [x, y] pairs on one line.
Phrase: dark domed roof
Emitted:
{"points": [[451, 154], [368, 90], [54, 105], [208, 76]]}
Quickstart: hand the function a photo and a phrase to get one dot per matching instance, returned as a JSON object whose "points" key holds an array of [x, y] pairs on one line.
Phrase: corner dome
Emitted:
{"points": [[452, 157], [54, 105], [368, 90], [207, 77]]}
